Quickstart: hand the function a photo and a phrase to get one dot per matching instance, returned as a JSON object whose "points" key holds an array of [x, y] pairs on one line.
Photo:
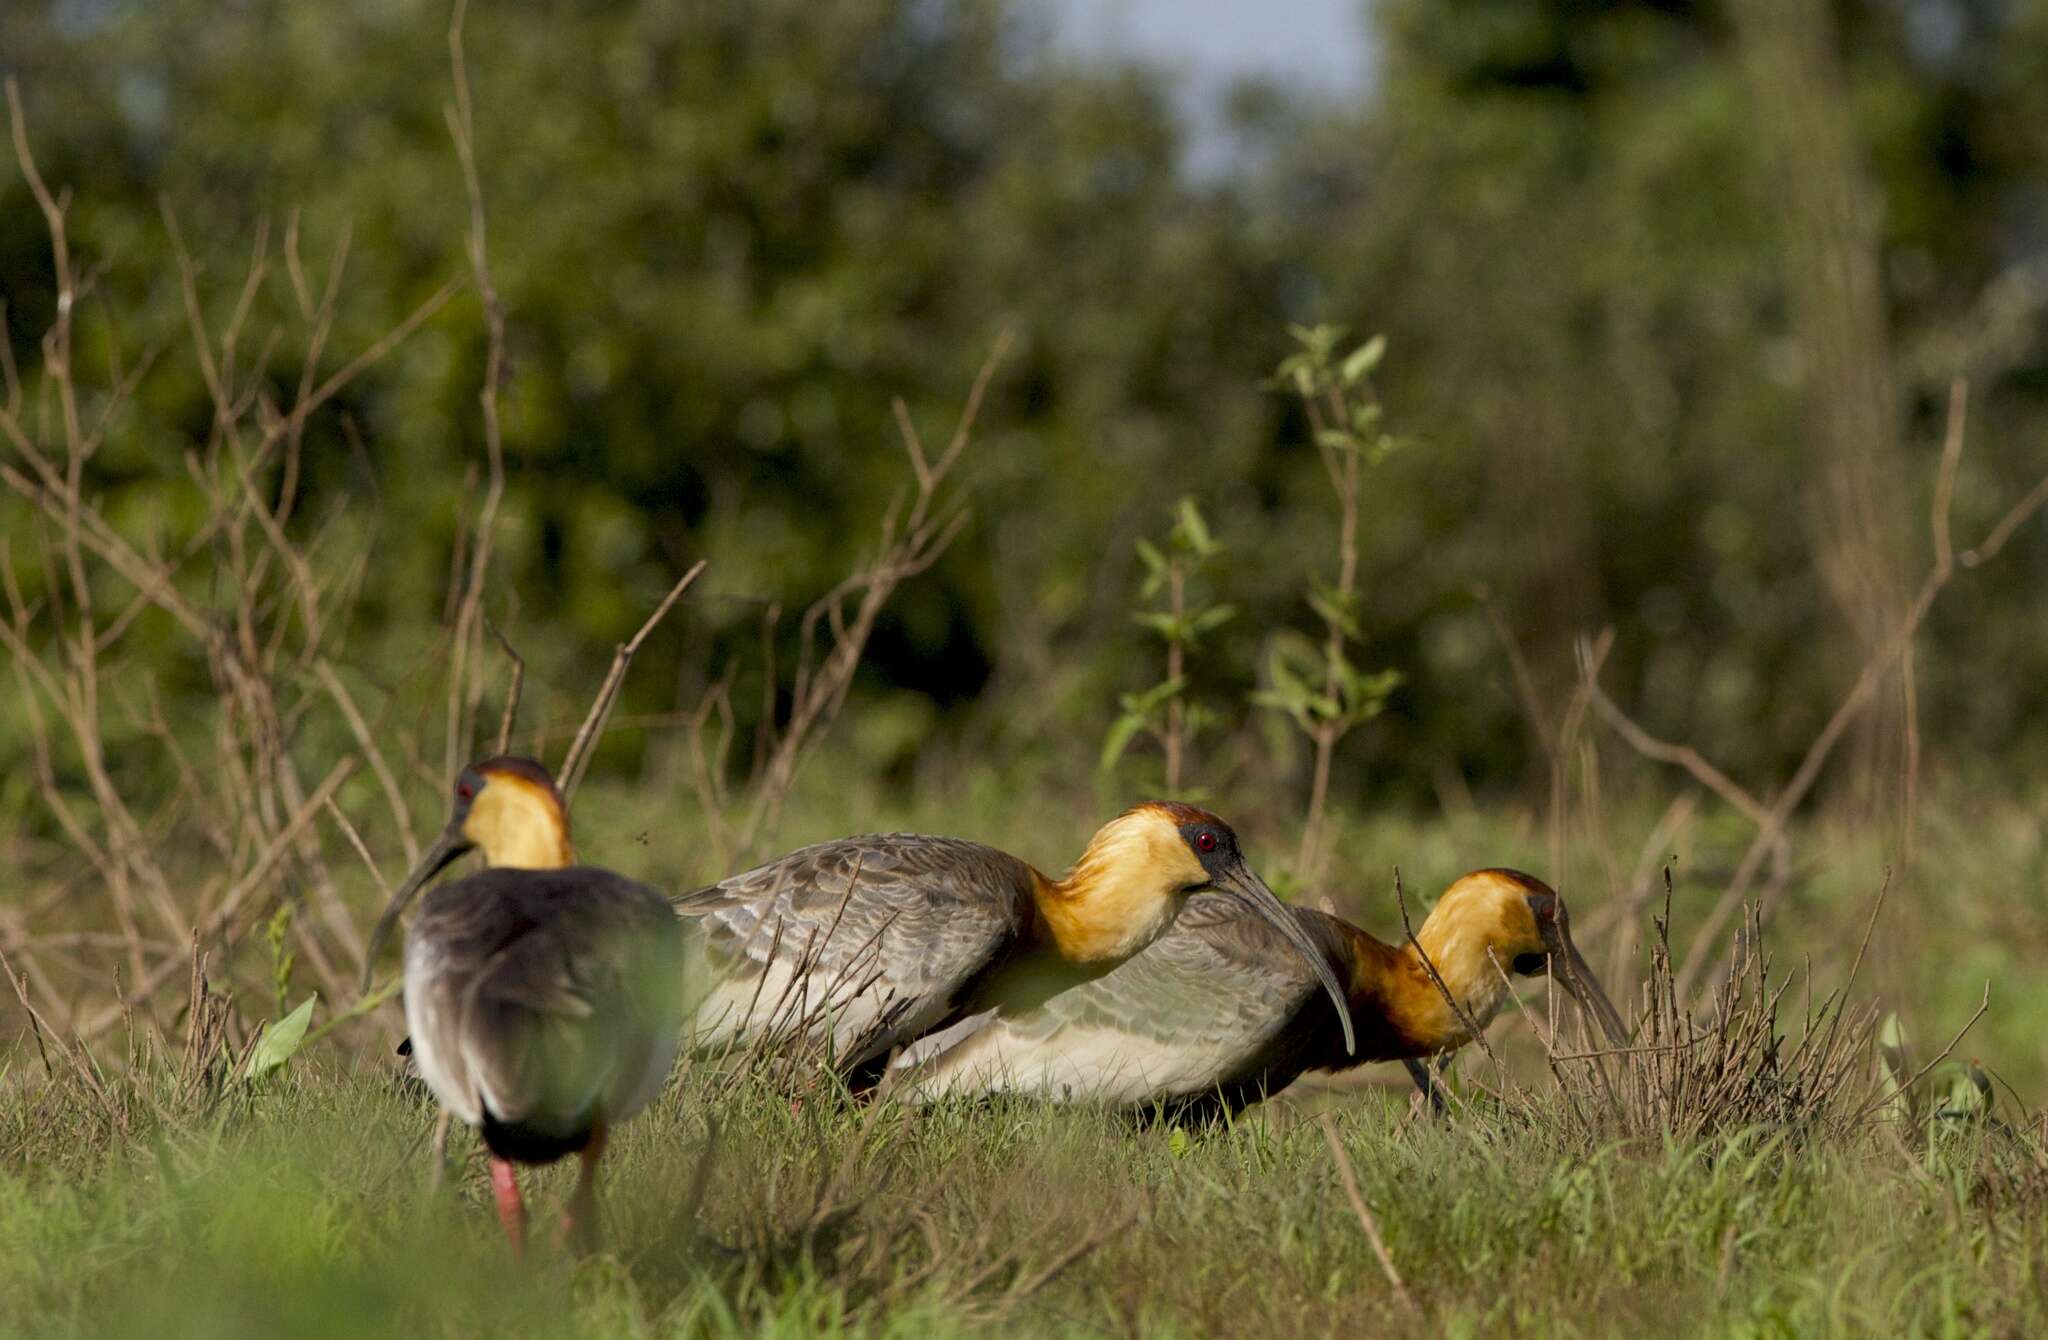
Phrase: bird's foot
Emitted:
{"points": [[576, 1231], [511, 1208]]}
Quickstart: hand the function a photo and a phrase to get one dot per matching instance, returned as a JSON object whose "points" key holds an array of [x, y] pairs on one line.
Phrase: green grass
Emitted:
{"points": [[302, 1209], [300, 1206]]}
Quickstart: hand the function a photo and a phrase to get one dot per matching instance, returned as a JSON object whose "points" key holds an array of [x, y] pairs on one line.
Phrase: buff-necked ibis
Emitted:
{"points": [[1219, 1010], [870, 942], [544, 997]]}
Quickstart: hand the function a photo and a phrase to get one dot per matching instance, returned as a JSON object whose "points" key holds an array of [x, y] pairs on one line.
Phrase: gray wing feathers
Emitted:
{"points": [[1204, 1004], [547, 1007], [874, 934]]}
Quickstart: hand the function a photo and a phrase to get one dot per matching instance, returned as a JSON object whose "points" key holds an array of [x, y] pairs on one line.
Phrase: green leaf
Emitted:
{"points": [[280, 1041], [1896, 1069], [1365, 695], [1191, 530], [1159, 621], [1337, 439], [1285, 681], [1213, 617], [1969, 1095], [1364, 359], [1156, 697], [1336, 612], [1121, 732]]}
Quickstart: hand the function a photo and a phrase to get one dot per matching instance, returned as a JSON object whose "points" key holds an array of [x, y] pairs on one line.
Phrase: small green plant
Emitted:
{"points": [[1164, 710], [283, 959], [1316, 683], [280, 1041]]}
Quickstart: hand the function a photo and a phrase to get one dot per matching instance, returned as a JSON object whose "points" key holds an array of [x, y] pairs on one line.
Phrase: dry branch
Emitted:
{"points": [[577, 760], [1365, 1216], [463, 694], [911, 540], [1770, 840]]}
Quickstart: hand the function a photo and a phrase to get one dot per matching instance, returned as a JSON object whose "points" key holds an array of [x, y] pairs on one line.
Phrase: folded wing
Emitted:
{"points": [[866, 940], [543, 1005], [1210, 1007]]}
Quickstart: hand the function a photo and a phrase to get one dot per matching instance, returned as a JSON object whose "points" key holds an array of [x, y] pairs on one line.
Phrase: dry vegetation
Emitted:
{"points": [[202, 872]]}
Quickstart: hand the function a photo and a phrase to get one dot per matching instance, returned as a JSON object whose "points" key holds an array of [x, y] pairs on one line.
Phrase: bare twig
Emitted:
{"points": [[911, 541], [462, 695], [1518, 665], [578, 758], [1365, 1216], [512, 691], [1854, 702]]}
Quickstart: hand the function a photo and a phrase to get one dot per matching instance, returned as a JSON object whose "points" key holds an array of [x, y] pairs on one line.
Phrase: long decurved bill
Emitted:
{"points": [[1568, 966], [1245, 886], [450, 845]]}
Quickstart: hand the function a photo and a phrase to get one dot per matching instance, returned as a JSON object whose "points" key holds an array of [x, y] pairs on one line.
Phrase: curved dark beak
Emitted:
{"points": [[1242, 884], [448, 847], [1568, 966]]}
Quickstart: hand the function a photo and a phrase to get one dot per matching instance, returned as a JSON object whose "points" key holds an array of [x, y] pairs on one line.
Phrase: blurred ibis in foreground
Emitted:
{"points": [[1220, 1012], [544, 997], [867, 943]]}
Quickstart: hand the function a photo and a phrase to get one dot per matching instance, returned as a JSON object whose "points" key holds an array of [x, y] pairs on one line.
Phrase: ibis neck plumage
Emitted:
{"points": [[1391, 984], [519, 825], [1121, 894]]}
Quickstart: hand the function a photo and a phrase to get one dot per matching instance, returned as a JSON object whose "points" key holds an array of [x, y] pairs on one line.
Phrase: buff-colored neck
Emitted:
{"points": [[1393, 984], [518, 826], [1119, 896]]}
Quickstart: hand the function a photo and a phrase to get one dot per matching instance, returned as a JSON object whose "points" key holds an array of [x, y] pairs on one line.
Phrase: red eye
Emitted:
{"points": [[1205, 842], [464, 791]]}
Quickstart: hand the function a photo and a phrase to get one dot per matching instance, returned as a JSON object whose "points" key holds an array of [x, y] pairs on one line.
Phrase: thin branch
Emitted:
{"points": [[577, 760], [1857, 698], [1365, 1216], [512, 692], [218, 919], [462, 129]]}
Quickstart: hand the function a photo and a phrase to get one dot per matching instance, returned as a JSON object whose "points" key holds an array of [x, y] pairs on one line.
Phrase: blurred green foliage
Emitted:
{"points": [[727, 233], [1317, 685], [1180, 617]]}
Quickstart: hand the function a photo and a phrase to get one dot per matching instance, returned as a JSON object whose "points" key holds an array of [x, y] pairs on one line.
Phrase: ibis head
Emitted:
{"points": [[1499, 921], [1137, 871], [508, 809]]}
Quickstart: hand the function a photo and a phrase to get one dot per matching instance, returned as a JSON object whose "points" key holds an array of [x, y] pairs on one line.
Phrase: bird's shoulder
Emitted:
{"points": [[927, 912], [552, 940], [501, 901], [1218, 968], [1238, 938], [901, 873]]}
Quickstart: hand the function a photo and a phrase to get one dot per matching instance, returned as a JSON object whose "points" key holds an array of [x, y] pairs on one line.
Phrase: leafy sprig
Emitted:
{"points": [[1164, 711]]}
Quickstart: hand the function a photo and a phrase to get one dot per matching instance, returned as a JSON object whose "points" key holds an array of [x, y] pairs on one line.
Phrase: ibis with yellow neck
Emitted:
{"points": [[869, 943], [1220, 1012], [544, 997]]}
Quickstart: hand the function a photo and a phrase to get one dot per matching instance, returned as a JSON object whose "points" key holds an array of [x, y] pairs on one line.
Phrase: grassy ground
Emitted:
{"points": [[147, 1201], [301, 1209]]}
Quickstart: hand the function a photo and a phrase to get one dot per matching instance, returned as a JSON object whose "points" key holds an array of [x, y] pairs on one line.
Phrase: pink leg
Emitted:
{"points": [[579, 1221], [511, 1209]]}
